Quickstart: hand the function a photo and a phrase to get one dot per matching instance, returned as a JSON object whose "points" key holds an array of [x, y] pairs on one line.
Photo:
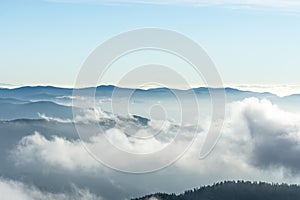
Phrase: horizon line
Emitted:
{"points": [[280, 90]]}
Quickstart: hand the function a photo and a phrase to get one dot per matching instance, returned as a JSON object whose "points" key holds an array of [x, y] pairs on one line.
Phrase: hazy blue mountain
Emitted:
{"points": [[13, 101], [29, 92], [30, 110], [48, 92], [18, 103]]}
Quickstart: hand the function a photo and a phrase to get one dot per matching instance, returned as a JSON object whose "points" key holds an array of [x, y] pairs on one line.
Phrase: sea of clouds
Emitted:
{"points": [[259, 141]]}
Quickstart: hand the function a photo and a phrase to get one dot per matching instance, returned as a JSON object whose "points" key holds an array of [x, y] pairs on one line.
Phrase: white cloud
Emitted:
{"points": [[71, 155], [14, 190], [55, 119], [56, 152], [279, 90], [273, 135], [259, 141], [86, 116], [152, 198]]}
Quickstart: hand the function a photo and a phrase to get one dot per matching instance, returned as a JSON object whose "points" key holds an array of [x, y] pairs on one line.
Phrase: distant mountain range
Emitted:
{"points": [[27, 102], [18, 109], [32, 92], [232, 190]]}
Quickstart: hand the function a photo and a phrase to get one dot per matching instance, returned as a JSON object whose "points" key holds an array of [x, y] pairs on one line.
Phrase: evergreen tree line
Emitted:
{"points": [[234, 190]]}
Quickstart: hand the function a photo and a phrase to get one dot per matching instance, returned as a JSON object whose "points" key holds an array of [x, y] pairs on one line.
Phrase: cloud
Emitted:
{"points": [[71, 154], [279, 90], [57, 151], [14, 190], [152, 198], [256, 133], [86, 116], [262, 134], [284, 5], [131, 133], [259, 141], [274, 135], [54, 119]]}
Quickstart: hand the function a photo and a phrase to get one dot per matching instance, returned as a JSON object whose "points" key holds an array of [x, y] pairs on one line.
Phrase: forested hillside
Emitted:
{"points": [[232, 190]]}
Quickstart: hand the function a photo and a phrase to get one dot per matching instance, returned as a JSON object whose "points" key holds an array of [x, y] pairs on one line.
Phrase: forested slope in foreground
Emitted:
{"points": [[234, 190]]}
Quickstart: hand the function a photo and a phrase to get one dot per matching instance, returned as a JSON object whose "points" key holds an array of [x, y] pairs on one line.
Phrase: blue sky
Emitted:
{"points": [[46, 42]]}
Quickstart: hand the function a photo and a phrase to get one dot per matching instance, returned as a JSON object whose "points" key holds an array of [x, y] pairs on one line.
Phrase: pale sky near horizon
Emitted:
{"points": [[46, 42]]}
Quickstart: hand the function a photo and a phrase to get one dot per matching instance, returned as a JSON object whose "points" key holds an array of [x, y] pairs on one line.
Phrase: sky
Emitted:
{"points": [[251, 42]]}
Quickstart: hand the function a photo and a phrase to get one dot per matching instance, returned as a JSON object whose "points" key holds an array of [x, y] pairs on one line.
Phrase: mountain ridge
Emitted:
{"points": [[234, 190], [111, 87]]}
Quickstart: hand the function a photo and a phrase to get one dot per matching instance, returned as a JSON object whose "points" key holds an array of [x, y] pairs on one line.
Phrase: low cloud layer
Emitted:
{"points": [[267, 135], [259, 141], [14, 190], [279, 90]]}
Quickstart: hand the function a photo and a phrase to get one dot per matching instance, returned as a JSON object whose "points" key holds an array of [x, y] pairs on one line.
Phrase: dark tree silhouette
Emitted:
{"points": [[235, 190]]}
